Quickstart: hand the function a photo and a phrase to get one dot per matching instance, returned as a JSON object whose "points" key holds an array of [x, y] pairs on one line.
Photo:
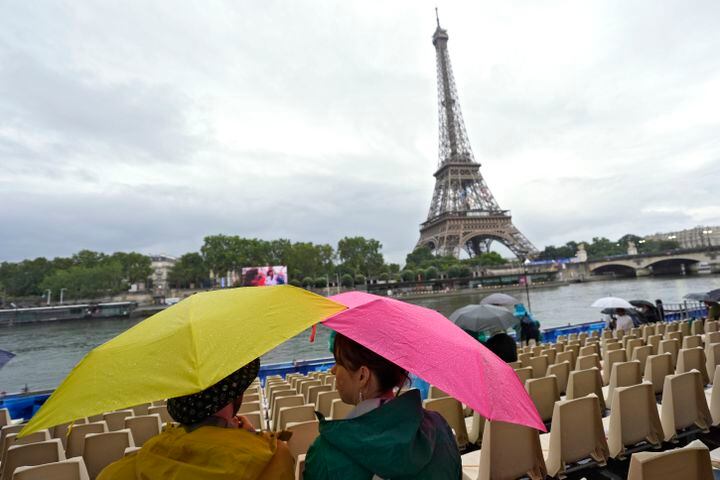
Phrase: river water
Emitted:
{"points": [[47, 352]]}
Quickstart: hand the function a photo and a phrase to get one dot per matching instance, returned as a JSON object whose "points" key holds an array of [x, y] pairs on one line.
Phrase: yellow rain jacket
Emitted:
{"points": [[208, 453]]}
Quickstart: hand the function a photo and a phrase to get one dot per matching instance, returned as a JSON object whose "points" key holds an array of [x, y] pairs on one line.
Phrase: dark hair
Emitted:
{"points": [[249, 277], [351, 355], [503, 346]]}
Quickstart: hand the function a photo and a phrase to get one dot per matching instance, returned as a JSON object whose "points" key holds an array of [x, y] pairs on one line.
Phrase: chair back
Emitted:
{"points": [[611, 357], [672, 347], [684, 408], [562, 373], [296, 414], [692, 341], [712, 359], [657, 367], [576, 434], [692, 461], [339, 409], [693, 359], [101, 449], [324, 401], [246, 407], [284, 402], [633, 419], [315, 390], [715, 398], [588, 361], [544, 393], [623, 374], [141, 409], [452, 411], [640, 354], [435, 392], [143, 427], [585, 382], [524, 374], [116, 420], [510, 451], [70, 469], [29, 454], [304, 434]]}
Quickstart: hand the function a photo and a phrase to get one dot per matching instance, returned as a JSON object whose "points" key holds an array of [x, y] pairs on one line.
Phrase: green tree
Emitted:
{"points": [[419, 257], [136, 267], [346, 281], [454, 271], [23, 279], [189, 271], [360, 279], [320, 282], [308, 282], [82, 282], [362, 255], [431, 273], [384, 277], [407, 275], [88, 258]]}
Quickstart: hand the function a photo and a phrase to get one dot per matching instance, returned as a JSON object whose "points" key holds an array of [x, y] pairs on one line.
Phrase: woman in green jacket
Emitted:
{"points": [[386, 436]]}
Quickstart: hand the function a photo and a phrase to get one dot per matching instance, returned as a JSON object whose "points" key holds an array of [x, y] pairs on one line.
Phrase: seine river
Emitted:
{"points": [[47, 352]]}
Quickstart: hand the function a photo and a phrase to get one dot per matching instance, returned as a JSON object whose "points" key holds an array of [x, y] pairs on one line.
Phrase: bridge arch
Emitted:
{"points": [[618, 269], [476, 243], [673, 266]]}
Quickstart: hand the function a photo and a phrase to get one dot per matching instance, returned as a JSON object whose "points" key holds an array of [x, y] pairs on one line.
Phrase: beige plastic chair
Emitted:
{"points": [[246, 398], [611, 357], [339, 409], [544, 393], [690, 462], [647, 331], [692, 341], [585, 382], [324, 401], [435, 392], [116, 420], [551, 353], [306, 386], [657, 367], [247, 407], [297, 414], [674, 336], [300, 467], [588, 361], [60, 431], [315, 390], [660, 328], [672, 347], [304, 434], [634, 421], [12, 439], [712, 337], [29, 454], [711, 326], [284, 402], [101, 449], [256, 419], [8, 429], [475, 426], [684, 409], [565, 357], [539, 365], [591, 349], [685, 328], [693, 359], [697, 328], [277, 394], [510, 451], [575, 349], [632, 345], [5, 418], [524, 374], [715, 398], [70, 469], [654, 342], [576, 435], [712, 359], [623, 374], [140, 410], [452, 411], [143, 428], [562, 373], [641, 354]]}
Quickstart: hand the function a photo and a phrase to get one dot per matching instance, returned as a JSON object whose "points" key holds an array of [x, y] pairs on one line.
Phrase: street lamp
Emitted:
{"points": [[49, 295], [62, 291], [527, 283]]}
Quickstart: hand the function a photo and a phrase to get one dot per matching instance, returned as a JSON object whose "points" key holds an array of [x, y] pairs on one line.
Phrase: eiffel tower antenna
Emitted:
{"points": [[463, 213]]}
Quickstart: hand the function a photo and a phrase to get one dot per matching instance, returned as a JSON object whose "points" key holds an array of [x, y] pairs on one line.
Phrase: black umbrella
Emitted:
{"points": [[651, 315], [711, 296]]}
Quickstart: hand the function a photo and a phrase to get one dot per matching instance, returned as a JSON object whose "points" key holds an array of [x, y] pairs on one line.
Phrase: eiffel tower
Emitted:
{"points": [[463, 213]]}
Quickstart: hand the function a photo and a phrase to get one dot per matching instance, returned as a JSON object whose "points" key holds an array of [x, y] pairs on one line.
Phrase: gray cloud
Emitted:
{"points": [[145, 126]]}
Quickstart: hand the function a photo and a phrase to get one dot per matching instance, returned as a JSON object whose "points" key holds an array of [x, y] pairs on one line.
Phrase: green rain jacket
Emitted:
{"points": [[396, 441]]}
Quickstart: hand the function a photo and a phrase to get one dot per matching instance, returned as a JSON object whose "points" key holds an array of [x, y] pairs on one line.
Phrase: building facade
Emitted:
{"points": [[698, 237]]}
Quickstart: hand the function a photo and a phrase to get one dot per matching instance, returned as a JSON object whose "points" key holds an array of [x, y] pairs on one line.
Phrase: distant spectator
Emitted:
{"points": [[504, 346], [529, 327], [624, 321], [660, 309], [713, 309]]}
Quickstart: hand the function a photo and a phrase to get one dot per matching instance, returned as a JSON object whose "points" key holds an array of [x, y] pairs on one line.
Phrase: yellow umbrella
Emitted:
{"points": [[183, 349]]}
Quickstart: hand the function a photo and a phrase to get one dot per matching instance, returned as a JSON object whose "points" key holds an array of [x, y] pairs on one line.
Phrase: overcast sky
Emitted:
{"points": [[148, 125]]}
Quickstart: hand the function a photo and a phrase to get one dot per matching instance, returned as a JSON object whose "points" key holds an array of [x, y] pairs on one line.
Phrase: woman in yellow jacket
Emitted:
{"points": [[212, 443]]}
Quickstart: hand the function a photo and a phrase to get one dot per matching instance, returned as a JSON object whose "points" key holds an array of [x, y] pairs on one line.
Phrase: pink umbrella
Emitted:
{"points": [[429, 345]]}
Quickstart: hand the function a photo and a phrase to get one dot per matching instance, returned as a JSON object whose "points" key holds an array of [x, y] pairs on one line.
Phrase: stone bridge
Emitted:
{"points": [[671, 262]]}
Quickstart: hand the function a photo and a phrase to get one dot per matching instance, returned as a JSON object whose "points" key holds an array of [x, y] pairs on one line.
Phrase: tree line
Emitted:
{"points": [[86, 274], [601, 247]]}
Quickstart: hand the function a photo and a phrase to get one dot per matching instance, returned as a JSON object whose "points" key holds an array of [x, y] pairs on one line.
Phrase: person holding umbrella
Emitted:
{"points": [[212, 441], [387, 435]]}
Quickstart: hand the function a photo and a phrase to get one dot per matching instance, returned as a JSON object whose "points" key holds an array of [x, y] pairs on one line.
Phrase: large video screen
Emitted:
{"points": [[264, 276]]}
